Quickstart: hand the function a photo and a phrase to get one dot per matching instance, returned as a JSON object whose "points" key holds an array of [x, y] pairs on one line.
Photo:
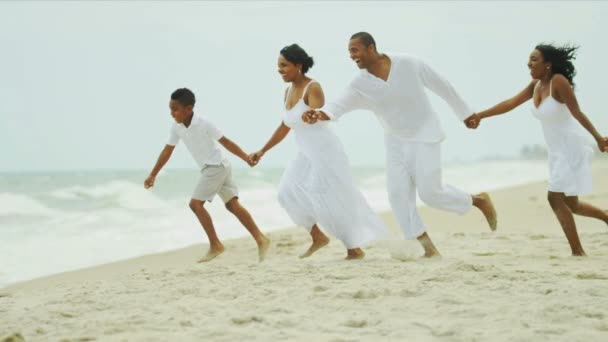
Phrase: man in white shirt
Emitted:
{"points": [[393, 87], [200, 137]]}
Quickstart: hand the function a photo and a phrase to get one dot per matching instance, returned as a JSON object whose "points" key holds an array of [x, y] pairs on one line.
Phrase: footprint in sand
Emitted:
{"points": [[17, 337], [602, 326], [474, 268], [355, 324], [404, 257], [436, 332], [339, 277], [361, 294], [485, 254], [186, 324], [408, 293], [66, 314], [247, 320], [592, 276], [319, 289], [596, 315], [538, 237]]}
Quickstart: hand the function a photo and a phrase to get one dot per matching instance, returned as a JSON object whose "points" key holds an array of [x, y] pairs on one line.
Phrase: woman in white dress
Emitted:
{"points": [[556, 107], [317, 188]]}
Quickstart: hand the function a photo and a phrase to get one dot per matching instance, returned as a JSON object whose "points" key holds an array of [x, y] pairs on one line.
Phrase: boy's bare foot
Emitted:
{"points": [[212, 253], [355, 254], [316, 245], [484, 203], [263, 248]]}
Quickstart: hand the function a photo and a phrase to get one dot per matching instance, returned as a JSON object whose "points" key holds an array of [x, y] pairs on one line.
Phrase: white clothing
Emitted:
{"points": [[412, 135], [569, 151], [318, 188], [400, 103], [415, 166], [200, 139]]}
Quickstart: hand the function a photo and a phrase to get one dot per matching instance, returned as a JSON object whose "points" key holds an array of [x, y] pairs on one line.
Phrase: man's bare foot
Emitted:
{"points": [[212, 253], [355, 254], [316, 245], [484, 203], [430, 251], [263, 248], [431, 254]]}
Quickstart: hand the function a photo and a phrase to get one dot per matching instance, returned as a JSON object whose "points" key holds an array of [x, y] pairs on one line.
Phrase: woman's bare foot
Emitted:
{"points": [[316, 245], [212, 253], [580, 253], [355, 254], [484, 203], [263, 248]]}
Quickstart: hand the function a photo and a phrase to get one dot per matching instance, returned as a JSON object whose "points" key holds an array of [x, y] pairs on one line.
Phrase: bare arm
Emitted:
{"points": [[564, 93], [502, 107], [279, 134], [164, 156], [348, 101], [234, 148], [510, 104]]}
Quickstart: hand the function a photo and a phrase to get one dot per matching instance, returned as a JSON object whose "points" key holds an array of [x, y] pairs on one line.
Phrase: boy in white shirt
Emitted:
{"points": [[199, 135]]}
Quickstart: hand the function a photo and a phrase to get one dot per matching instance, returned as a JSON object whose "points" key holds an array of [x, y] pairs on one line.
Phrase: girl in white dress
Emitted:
{"points": [[562, 121], [317, 187]]}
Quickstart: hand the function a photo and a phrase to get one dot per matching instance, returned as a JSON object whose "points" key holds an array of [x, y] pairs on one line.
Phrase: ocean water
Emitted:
{"points": [[60, 221]]}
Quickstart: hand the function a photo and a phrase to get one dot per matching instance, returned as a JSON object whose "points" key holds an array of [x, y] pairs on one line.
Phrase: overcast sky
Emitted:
{"points": [[86, 85]]}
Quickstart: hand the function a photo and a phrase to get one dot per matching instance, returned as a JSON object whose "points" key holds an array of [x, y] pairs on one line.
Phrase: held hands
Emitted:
{"points": [[602, 144], [254, 158], [472, 121], [311, 116], [149, 182]]}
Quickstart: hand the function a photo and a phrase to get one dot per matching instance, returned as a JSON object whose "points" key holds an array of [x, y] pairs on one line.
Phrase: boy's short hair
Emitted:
{"points": [[184, 96]]}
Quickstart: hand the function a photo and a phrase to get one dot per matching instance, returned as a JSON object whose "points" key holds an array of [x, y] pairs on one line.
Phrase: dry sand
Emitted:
{"points": [[517, 284]]}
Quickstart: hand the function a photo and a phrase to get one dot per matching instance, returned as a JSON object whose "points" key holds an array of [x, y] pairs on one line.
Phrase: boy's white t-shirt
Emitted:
{"points": [[200, 139]]}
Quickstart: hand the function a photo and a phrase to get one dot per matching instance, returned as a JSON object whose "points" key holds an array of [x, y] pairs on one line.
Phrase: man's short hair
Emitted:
{"points": [[365, 38]]}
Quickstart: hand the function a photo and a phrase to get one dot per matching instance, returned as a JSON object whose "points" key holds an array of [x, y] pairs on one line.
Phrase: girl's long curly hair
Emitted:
{"points": [[561, 58]]}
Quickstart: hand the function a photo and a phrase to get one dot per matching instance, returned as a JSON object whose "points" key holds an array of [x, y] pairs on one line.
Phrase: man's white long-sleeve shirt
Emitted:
{"points": [[400, 103]]}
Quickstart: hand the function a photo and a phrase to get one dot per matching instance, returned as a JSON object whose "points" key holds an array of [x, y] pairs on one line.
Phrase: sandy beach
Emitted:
{"points": [[517, 284]]}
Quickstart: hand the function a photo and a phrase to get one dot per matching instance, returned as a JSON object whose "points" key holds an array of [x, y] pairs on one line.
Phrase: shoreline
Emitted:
{"points": [[435, 219]]}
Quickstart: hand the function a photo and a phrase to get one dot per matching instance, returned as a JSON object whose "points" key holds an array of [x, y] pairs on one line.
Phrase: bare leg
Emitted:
{"points": [[319, 240], [557, 200], [355, 254], [483, 202], [429, 248], [215, 246], [246, 220], [585, 209]]}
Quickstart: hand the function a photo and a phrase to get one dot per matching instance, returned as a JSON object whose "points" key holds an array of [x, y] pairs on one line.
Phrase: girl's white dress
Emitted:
{"points": [[570, 153]]}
